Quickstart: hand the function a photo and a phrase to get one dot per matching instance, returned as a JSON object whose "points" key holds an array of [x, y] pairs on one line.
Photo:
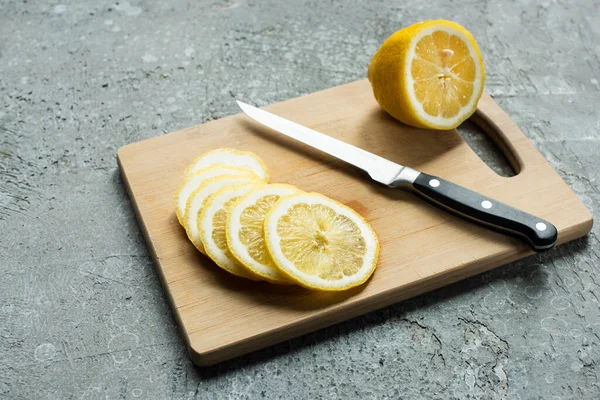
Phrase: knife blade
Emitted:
{"points": [[540, 234], [379, 169]]}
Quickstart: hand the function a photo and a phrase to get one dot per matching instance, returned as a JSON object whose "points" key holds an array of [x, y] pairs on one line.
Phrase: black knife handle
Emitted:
{"points": [[540, 234]]}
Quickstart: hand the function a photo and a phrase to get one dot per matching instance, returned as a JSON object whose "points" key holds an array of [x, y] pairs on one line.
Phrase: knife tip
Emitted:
{"points": [[241, 104]]}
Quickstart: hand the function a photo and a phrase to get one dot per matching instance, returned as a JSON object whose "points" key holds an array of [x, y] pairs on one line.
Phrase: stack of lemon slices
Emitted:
{"points": [[272, 232]]}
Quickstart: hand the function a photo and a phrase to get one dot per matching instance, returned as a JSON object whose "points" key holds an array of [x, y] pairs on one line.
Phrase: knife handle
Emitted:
{"points": [[540, 234]]}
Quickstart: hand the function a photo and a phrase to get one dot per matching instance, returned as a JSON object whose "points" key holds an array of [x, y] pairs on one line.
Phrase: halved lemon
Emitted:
{"points": [[232, 157], [320, 243], [192, 181], [429, 75], [245, 233], [197, 199], [211, 225]]}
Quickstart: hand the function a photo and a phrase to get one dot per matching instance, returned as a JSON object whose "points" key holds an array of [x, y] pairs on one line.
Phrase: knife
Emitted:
{"points": [[540, 234]]}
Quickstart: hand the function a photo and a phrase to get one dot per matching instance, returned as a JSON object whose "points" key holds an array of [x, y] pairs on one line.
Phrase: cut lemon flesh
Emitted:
{"points": [[197, 199], [320, 243], [232, 157], [245, 232], [212, 225], [429, 75], [192, 181]]}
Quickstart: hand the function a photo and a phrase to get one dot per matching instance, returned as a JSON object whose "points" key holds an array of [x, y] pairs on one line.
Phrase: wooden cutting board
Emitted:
{"points": [[222, 316]]}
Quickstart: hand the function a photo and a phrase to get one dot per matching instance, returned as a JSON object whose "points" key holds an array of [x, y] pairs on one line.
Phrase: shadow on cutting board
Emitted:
{"points": [[290, 297], [380, 133]]}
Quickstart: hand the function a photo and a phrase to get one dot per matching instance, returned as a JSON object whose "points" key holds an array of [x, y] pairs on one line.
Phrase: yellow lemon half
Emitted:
{"points": [[429, 75]]}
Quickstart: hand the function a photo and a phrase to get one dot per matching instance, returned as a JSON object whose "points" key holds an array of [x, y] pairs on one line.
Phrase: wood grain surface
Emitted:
{"points": [[422, 248]]}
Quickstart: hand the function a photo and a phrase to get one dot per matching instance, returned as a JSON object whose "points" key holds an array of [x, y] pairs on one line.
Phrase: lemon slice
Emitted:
{"points": [[198, 197], [192, 181], [320, 243], [245, 234], [232, 157], [429, 75], [211, 224]]}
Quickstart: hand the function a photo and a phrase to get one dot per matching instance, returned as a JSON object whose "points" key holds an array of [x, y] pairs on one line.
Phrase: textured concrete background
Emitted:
{"points": [[82, 312]]}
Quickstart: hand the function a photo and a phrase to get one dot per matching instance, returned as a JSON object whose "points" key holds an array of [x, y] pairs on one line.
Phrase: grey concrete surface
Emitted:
{"points": [[82, 312]]}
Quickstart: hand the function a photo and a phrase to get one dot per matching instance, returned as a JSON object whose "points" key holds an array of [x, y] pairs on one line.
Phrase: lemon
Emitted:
{"points": [[428, 75], [245, 233], [232, 157], [211, 224], [192, 181], [320, 243], [197, 199]]}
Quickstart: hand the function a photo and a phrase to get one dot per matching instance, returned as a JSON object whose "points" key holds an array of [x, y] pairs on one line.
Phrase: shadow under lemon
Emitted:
{"points": [[267, 294]]}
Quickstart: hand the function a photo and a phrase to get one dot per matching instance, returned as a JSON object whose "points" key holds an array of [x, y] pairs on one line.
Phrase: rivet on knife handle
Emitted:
{"points": [[540, 234]]}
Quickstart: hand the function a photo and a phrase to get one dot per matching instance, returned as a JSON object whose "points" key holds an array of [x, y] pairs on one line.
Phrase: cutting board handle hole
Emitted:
{"points": [[490, 145]]}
